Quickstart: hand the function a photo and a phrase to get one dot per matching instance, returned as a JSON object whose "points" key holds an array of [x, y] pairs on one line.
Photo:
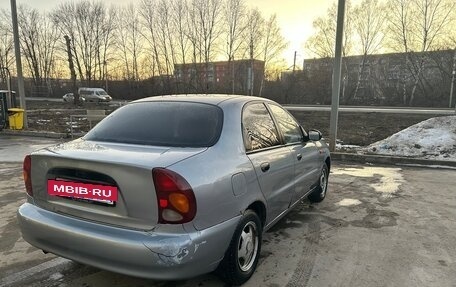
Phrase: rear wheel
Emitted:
{"points": [[241, 258], [320, 192]]}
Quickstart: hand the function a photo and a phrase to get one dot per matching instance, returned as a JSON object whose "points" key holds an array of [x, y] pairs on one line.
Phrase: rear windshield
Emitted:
{"points": [[175, 124]]}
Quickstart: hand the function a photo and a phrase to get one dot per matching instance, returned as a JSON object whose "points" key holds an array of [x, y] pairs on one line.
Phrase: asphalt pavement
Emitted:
{"points": [[14, 148], [378, 226]]}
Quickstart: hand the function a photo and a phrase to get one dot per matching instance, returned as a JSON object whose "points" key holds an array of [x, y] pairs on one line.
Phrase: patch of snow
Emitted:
{"points": [[348, 202], [346, 146], [42, 122], [429, 165], [56, 276], [434, 138], [389, 182]]}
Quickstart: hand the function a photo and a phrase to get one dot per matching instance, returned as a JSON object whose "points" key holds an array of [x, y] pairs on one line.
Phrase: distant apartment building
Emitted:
{"points": [[222, 76], [379, 79]]}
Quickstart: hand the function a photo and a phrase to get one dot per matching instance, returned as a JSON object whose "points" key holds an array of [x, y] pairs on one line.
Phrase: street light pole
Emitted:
{"points": [[336, 76], [17, 49]]}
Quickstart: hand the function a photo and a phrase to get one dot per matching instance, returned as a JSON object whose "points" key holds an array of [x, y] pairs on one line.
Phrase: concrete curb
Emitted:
{"points": [[389, 160], [52, 135]]}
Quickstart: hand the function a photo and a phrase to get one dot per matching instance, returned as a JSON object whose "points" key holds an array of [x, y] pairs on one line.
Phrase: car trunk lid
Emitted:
{"points": [[123, 167]]}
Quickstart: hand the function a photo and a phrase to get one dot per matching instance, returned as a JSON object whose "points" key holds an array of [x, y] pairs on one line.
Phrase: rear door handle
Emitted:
{"points": [[265, 166], [299, 156]]}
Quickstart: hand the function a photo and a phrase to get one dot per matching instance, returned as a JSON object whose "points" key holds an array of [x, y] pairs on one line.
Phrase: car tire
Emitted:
{"points": [[241, 258], [322, 186]]}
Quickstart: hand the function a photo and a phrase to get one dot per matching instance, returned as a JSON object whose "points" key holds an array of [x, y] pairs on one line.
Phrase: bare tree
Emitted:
{"points": [[6, 44], [252, 43], [254, 34], [369, 19], [28, 21], [105, 40], [180, 22], [322, 42], [38, 38], [129, 42], [234, 21], [418, 26], [234, 12], [273, 45], [206, 20], [165, 33], [148, 12], [90, 26]]}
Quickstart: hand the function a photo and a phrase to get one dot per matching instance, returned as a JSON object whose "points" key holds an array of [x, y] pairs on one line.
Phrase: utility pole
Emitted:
{"points": [[336, 75], [251, 69], [17, 49], [105, 65], [294, 62], [72, 71], [232, 76], [452, 81]]}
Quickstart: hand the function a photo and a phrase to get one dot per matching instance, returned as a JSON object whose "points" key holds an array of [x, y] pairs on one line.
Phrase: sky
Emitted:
{"points": [[295, 18]]}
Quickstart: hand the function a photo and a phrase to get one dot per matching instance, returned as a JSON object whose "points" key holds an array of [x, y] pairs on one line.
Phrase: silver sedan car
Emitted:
{"points": [[173, 187]]}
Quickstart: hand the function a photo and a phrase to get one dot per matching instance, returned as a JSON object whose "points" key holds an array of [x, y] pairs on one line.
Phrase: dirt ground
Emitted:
{"points": [[55, 116], [354, 128], [360, 128]]}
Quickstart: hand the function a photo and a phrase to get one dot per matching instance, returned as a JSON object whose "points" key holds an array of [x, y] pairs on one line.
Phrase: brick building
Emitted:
{"points": [[223, 76]]}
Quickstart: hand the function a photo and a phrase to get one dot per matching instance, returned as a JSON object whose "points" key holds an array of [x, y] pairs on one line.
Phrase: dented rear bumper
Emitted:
{"points": [[149, 254]]}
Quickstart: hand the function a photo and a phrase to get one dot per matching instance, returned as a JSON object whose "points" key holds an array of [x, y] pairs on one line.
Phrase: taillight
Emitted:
{"points": [[175, 197], [27, 174]]}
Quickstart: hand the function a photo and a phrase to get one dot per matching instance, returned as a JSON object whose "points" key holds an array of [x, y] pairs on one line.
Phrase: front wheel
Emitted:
{"points": [[322, 186], [241, 258]]}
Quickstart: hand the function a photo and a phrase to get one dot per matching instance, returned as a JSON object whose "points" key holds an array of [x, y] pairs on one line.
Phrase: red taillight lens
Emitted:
{"points": [[175, 197], [27, 174]]}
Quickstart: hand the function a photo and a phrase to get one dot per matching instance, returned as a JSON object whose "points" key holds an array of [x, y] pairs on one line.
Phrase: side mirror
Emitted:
{"points": [[315, 135]]}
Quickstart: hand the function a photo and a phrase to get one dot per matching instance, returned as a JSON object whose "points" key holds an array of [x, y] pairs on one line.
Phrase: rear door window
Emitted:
{"points": [[175, 124], [258, 128]]}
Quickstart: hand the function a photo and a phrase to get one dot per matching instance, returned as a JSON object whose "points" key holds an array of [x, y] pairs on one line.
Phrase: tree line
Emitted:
{"points": [[409, 27], [137, 41]]}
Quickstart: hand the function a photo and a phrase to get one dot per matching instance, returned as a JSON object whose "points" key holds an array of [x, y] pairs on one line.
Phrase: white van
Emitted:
{"points": [[94, 95]]}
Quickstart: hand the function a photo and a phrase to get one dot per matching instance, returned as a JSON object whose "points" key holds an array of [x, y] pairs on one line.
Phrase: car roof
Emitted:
{"points": [[215, 99]]}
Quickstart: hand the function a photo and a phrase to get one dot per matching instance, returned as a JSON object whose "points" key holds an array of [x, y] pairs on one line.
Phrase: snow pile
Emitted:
{"points": [[434, 138]]}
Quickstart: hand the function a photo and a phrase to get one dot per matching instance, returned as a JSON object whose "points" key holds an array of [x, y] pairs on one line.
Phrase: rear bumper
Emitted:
{"points": [[156, 255]]}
